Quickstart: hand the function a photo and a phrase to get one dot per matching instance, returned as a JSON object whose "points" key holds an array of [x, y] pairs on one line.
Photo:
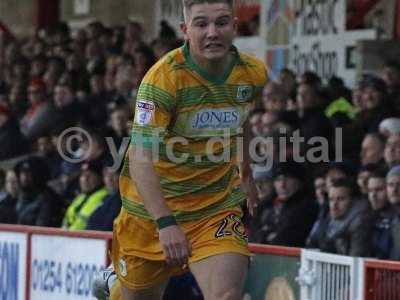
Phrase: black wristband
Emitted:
{"points": [[166, 221]]}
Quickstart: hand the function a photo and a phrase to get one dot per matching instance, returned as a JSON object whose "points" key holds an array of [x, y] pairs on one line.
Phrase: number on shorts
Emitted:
{"points": [[225, 230]]}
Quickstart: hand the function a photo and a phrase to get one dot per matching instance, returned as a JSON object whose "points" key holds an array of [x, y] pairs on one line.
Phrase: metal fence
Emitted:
{"points": [[329, 277]]}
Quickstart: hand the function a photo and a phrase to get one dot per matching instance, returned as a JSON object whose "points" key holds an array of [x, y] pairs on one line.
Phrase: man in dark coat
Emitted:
{"points": [[287, 219], [37, 204], [347, 229]]}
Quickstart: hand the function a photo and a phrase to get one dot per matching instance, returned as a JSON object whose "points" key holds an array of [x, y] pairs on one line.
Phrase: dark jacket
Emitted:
{"points": [[395, 252], [8, 212], [41, 207], [103, 217], [12, 141], [347, 236], [382, 240], [287, 224]]}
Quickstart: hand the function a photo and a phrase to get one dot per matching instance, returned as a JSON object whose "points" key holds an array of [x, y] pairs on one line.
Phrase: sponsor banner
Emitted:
{"points": [[63, 268], [13, 250], [319, 41]]}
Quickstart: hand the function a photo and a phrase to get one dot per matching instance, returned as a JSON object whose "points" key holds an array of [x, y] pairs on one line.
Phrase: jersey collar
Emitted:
{"points": [[216, 79]]}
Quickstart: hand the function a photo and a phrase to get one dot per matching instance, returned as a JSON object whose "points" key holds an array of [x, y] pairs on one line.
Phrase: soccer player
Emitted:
{"points": [[180, 203]]}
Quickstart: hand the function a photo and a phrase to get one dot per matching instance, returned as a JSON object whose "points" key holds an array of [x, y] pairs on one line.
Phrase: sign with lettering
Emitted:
{"points": [[63, 268], [13, 249], [319, 41]]}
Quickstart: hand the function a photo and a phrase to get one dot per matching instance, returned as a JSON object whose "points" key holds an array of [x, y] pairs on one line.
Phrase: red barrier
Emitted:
{"points": [[382, 280], [275, 250]]}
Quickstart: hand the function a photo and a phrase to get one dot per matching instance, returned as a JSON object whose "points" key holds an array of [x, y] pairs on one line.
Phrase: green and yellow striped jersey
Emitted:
{"points": [[192, 122]]}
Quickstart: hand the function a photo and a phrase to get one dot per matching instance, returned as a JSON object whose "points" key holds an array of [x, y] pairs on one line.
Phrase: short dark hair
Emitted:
{"points": [[344, 183], [379, 173]]}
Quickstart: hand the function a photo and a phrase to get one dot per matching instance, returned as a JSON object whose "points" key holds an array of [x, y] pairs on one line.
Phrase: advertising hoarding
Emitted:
{"points": [[13, 251], [63, 268]]}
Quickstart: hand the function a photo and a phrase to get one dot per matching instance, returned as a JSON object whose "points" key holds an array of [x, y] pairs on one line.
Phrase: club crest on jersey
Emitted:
{"points": [[122, 267], [144, 112], [244, 93]]}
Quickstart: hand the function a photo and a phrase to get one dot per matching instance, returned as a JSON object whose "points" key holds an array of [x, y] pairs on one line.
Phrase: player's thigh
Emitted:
{"points": [[221, 276], [154, 293]]}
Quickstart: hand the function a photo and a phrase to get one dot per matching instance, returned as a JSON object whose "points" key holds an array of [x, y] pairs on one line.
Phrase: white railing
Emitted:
{"points": [[324, 276]]}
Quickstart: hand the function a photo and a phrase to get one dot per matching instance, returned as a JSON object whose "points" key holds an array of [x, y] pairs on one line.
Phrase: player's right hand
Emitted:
{"points": [[175, 245]]}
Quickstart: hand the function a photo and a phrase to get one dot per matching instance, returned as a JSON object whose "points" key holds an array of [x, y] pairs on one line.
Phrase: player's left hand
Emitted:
{"points": [[250, 189]]}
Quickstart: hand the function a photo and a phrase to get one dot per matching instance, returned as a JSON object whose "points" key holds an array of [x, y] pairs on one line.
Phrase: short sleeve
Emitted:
{"points": [[154, 107]]}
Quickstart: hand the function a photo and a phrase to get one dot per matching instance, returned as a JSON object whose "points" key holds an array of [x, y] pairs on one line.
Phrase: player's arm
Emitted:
{"points": [[153, 112], [173, 240], [147, 181]]}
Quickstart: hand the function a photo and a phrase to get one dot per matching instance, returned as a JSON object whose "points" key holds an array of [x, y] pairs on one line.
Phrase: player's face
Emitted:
{"points": [[209, 29]]}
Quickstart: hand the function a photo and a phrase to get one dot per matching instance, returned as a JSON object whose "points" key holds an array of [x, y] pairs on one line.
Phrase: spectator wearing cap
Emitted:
{"points": [[389, 126], [371, 95], [35, 121], [8, 199], [103, 217], [382, 216], [393, 194], [37, 203], [347, 229], [263, 179], [287, 219], [12, 141], [377, 106], [91, 196]]}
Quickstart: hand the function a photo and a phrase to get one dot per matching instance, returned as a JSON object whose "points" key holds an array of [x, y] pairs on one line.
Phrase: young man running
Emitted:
{"points": [[181, 204]]}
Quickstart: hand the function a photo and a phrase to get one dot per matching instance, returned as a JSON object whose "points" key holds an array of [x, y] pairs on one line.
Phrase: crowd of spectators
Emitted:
{"points": [[328, 169], [57, 80], [327, 173]]}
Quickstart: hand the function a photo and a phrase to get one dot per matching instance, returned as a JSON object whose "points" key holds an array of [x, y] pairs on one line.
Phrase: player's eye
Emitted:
{"points": [[222, 22], [200, 24]]}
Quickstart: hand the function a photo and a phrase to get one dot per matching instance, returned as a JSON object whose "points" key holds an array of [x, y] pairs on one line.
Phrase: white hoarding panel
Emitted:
{"points": [[63, 268], [13, 250]]}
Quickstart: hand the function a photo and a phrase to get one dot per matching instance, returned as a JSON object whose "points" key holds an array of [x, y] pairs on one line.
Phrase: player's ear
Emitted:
{"points": [[183, 27]]}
